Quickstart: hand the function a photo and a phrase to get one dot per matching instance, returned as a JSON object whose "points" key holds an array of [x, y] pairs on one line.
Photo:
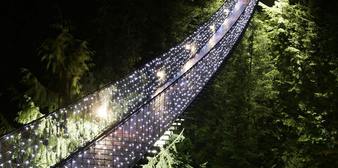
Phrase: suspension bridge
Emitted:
{"points": [[116, 125]]}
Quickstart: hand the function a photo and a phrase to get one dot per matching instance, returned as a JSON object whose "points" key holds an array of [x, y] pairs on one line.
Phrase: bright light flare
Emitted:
{"points": [[190, 47], [212, 28], [102, 111], [161, 75], [187, 66], [187, 46], [226, 11], [193, 48]]}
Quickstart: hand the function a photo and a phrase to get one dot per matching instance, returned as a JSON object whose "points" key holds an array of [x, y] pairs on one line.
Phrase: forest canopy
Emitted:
{"points": [[274, 102]]}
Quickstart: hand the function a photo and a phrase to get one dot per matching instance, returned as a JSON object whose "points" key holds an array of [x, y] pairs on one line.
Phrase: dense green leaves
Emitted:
{"points": [[168, 156], [269, 106], [67, 59], [123, 34], [29, 111]]}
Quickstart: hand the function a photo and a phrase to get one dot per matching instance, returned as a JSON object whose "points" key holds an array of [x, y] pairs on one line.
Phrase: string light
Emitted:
{"points": [[102, 111], [212, 28], [226, 11], [177, 97], [161, 75], [187, 46], [182, 78]]}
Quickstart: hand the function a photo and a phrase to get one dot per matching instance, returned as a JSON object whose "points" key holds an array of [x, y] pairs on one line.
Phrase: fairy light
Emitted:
{"points": [[212, 28], [189, 86], [161, 75], [193, 48], [102, 111], [226, 11], [120, 98]]}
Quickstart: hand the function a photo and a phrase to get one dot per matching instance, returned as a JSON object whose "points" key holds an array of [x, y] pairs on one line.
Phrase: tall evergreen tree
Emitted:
{"points": [[269, 106]]}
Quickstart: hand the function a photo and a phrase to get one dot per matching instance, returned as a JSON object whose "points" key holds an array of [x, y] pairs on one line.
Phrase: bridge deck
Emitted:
{"points": [[115, 126], [128, 142]]}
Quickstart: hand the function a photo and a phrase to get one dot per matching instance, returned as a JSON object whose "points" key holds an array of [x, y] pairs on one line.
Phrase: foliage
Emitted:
{"points": [[44, 97], [29, 111], [67, 59], [271, 104], [129, 36], [293, 42], [169, 156], [4, 125]]}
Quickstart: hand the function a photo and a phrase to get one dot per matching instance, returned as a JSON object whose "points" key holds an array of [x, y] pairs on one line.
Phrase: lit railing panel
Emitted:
{"points": [[129, 141], [48, 140]]}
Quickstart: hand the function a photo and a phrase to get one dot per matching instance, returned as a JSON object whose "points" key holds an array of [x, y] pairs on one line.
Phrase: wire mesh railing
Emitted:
{"points": [[128, 141], [46, 141]]}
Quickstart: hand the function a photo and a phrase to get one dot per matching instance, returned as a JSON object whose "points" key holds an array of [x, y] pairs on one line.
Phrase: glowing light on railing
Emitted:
{"points": [[226, 11], [187, 46], [124, 96], [212, 28], [188, 65], [193, 48], [102, 111], [161, 74]]}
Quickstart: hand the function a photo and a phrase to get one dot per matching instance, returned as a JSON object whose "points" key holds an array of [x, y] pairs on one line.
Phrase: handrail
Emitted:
{"points": [[61, 115], [115, 127]]}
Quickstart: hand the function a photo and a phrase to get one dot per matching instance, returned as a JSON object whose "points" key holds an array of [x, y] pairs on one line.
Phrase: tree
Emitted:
{"points": [[303, 131], [29, 111], [223, 124], [269, 106], [4, 125], [67, 59], [169, 156]]}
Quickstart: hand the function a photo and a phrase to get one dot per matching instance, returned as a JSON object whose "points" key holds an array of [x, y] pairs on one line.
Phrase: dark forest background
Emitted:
{"points": [[273, 103]]}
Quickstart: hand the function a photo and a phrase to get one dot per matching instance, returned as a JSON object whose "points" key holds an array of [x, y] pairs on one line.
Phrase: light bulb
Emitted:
{"points": [[161, 74], [102, 111]]}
